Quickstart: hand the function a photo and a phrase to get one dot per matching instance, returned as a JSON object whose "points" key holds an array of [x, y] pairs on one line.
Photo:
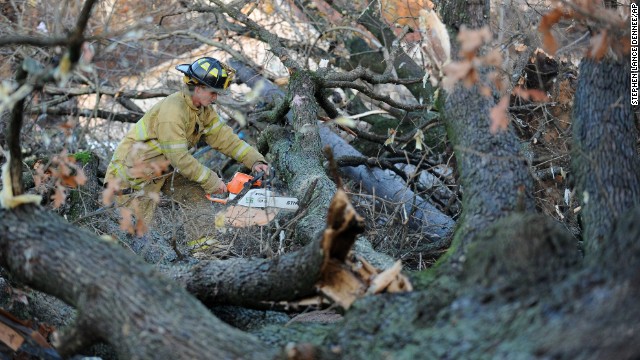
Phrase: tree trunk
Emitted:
{"points": [[456, 13], [494, 175], [605, 159], [119, 299]]}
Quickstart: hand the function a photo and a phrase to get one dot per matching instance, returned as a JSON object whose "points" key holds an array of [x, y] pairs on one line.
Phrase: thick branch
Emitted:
{"points": [[130, 117], [111, 91], [134, 308], [254, 282], [13, 138], [32, 40]]}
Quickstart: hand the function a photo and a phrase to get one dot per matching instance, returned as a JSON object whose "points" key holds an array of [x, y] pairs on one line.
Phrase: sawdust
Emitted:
{"points": [[241, 216]]}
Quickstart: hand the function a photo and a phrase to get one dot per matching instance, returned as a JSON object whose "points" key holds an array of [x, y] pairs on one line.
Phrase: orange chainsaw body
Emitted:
{"points": [[237, 182], [235, 186]]}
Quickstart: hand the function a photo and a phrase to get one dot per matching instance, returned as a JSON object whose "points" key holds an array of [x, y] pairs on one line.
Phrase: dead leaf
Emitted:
{"points": [[457, 71], [530, 94], [436, 38], [382, 280], [58, 196], [366, 271], [499, 117], [472, 39], [547, 22], [281, 81], [419, 139], [391, 137], [519, 47], [598, 46], [108, 194], [493, 58], [126, 223], [400, 284], [402, 12], [141, 227]]}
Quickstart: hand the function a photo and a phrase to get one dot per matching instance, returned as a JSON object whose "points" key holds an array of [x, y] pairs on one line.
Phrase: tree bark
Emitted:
{"points": [[119, 299], [604, 160], [456, 13], [253, 282], [494, 175]]}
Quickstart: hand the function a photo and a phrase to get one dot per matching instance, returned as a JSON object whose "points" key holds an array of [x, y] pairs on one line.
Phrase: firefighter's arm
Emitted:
{"points": [[222, 138], [174, 145]]}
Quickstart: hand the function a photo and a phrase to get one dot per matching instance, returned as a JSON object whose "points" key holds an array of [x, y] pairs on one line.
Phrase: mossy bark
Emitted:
{"points": [[524, 294], [604, 159], [470, 13], [87, 197], [493, 173], [120, 299], [253, 282]]}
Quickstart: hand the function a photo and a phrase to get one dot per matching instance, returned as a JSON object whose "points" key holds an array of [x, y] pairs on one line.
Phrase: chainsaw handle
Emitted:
{"points": [[212, 197], [222, 198]]}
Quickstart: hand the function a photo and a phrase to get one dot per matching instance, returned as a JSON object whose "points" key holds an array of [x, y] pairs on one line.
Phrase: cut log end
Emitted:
{"points": [[345, 279]]}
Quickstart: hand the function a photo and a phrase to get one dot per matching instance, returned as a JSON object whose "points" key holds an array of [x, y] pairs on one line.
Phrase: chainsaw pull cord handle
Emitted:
{"points": [[221, 199]]}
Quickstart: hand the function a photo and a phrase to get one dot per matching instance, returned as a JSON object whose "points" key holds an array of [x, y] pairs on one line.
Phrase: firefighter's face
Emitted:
{"points": [[203, 96]]}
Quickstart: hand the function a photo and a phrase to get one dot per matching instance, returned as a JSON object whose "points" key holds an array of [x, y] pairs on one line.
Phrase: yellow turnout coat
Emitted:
{"points": [[165, 133]]}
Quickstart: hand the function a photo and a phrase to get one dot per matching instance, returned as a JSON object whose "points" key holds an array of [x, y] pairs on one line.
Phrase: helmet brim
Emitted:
{"points": [[186, 69]]}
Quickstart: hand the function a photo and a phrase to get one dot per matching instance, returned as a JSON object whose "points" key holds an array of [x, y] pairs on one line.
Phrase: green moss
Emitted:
{"points": [[522, 249], [297, 332], [83, 157]]}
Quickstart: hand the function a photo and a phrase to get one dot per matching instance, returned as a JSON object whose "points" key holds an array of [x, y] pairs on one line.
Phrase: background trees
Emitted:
{"points": [[493, 147]]}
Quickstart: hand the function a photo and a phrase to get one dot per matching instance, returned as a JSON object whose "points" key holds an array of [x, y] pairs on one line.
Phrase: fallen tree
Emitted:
{"points": [[420, 214]]}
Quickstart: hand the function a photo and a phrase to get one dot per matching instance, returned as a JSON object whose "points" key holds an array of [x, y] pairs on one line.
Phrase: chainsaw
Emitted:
{"points": [[249, 191]]}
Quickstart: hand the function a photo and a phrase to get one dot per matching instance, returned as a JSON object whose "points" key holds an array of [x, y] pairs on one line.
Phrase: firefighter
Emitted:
{"points": [[168, 130]]}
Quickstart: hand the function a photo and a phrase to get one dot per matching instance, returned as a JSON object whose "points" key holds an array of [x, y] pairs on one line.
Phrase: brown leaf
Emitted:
{"points": [[158, 167], [598, 46], [382, 280], [485, 91], [493, 58], [108, 194], [520, 47], [403, 12], [58, 196], [436, 37], [126, 223], [499, 117], [530, 94], [472, 39], [455, 72], [547, 22], [282, 81]]}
